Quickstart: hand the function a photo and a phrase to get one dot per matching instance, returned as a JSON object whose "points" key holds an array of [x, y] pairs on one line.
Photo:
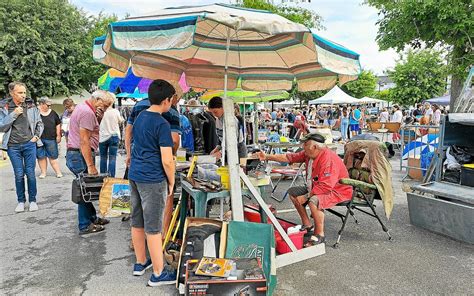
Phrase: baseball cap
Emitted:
{"points": [[313, 136]]}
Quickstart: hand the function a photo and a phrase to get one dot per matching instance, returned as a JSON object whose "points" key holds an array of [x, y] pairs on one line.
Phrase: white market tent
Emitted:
{"points": [[335, 96], [367, 100]]}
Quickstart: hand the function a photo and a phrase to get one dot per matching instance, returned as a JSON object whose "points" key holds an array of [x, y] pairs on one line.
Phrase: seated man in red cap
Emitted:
{"points": [[324, 169]]}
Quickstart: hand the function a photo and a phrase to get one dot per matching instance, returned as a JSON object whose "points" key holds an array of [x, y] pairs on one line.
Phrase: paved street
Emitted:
{"points": [[42, 254]]}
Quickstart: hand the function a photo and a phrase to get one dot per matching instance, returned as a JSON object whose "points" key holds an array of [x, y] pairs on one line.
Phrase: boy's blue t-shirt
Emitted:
{"points": [[355, 114], [150, 132]]}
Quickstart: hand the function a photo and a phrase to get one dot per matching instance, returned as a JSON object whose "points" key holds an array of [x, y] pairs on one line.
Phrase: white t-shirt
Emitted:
{"points": [[109, 126], [429, 112], [397, 116], [384, 116], [437, 117]]}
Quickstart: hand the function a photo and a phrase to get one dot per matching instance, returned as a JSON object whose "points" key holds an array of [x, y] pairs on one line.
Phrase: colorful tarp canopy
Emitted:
{"points": [[128, 83], [266, 51], [335, 96]]}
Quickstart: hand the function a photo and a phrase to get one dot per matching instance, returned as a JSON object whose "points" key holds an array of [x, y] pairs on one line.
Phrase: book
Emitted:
{"points": [[218, 267]]}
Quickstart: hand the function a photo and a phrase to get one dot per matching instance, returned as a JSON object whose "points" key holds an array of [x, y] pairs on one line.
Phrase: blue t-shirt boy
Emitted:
{"points": [[150, 132]]}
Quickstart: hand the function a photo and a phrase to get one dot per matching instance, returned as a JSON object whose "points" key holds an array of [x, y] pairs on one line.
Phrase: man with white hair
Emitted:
{"points": [[83, 143], [324, 169]]}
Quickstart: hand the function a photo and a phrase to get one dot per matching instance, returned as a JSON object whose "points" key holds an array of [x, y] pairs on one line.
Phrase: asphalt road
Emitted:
{"points": [[42, 254]]}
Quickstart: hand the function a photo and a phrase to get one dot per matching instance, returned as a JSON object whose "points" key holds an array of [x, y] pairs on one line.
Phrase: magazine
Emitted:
{"points": [[215, 267]]}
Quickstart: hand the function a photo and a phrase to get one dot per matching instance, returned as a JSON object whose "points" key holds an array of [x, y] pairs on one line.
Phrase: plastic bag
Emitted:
{"points": [[451, 162], [462, 155]]}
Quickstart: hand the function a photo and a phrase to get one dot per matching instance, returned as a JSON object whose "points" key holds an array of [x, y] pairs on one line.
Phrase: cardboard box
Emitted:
{"points": [[200, 285]]}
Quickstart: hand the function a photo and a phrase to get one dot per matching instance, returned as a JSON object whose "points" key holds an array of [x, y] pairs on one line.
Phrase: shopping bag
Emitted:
{"points": [[253, 240], [114, 196]]}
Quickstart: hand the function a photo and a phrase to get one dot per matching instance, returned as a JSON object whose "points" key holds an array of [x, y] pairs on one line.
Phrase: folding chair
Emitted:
{"points": [[363, 196], [286, 173]]}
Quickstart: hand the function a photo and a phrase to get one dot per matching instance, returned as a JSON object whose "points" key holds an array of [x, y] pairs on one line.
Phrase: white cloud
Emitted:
{"points": [[347, 22]]}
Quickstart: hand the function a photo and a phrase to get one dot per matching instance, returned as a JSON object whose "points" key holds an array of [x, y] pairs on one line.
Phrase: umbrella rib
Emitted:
{"points": [[265, 40], [197, 47]]}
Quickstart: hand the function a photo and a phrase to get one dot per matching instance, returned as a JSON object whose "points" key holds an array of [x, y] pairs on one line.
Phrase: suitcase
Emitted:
{"points": [[86, 188]]}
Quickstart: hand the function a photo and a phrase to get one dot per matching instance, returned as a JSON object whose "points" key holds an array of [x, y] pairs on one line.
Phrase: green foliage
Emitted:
{"points": [[420, 76], [364, 86], [296, 14], [47, 44], [91, 70], [447, 23], [385, 95]]}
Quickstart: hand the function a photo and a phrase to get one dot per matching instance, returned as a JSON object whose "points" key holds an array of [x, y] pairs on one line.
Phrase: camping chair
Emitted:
{"points": [[284, 172], [363, 196]]}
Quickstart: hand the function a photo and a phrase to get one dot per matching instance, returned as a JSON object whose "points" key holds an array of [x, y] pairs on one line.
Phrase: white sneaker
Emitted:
{"points": [[59, 175], [33, 207], [42, 176], [20, 207]]}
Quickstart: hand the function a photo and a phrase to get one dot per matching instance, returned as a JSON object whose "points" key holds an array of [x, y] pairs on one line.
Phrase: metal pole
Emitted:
{"points": [[231, 140], [255, 124]]}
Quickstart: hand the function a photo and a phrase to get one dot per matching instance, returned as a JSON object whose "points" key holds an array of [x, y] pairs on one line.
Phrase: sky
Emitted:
{"points": [[347, 22]]}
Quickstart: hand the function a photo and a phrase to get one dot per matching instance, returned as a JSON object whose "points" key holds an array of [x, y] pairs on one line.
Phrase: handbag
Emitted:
{"points": [[86, 188]]}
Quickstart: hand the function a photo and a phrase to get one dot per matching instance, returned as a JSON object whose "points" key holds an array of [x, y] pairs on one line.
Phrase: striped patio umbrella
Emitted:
{"points": [[264, 50]]}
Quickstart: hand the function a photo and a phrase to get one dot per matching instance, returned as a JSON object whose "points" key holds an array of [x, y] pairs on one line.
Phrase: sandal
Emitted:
{"points": [[92, 228], [308, 228], [315, 240], [101, 221]]}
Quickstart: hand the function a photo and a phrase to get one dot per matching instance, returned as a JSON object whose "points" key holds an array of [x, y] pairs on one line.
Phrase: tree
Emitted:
{"points": [[385, 95], [364, 86], [91, 70], [430, 23], [296, 14], [419, 76], [48, 45]]}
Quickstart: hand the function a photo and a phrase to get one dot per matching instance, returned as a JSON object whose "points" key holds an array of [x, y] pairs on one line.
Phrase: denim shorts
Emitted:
{"points": [[49, 149], [148, 202]]}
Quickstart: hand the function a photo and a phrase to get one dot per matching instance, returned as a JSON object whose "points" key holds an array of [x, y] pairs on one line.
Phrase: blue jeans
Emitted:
{"points": [[108, 153], [344, 127], [86, 212], [23, 159]]}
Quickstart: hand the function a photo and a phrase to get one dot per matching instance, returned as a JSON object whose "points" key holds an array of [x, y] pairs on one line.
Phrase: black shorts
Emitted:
{"points": [[296, 191]]}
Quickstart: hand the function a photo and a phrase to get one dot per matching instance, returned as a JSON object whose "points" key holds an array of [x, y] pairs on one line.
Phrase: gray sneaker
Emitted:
{"points": [[33, 207], [20, 207]]}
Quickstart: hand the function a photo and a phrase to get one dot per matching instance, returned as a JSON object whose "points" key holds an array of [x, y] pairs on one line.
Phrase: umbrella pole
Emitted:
{"points": [[231, 140], [255, 124]]}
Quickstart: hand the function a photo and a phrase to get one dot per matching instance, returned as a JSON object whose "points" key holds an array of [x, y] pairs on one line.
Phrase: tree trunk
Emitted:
{"points": [[458, 77], [456, 87]]}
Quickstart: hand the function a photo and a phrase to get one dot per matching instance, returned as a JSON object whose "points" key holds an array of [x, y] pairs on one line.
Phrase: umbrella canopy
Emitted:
{"points": [[265, 50], [111, 79], [425, 144], [137, 94], [128, 83], [335, 96], [241, 96]]}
